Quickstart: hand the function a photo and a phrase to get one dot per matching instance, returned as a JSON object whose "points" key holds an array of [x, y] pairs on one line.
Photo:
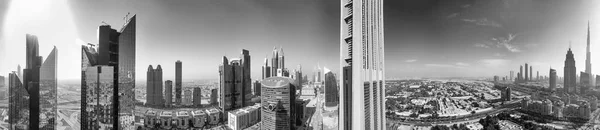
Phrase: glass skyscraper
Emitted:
{"points": [[116, 52]]}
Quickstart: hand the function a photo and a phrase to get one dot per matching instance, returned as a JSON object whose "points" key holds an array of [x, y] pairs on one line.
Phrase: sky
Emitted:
{"points": [[483, 38], [199, 33], [423, 38]]}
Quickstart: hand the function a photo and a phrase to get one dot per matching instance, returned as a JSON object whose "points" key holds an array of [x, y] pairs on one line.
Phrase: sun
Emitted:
{"points": [[51, 21]]}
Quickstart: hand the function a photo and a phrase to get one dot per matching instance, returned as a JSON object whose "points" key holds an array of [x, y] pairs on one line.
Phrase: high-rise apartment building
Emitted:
{"points": [[168, 93], [257, 86], [552, 79], [214, 96], [266, 69], [570, 73], [187, 98], [197, 98], [116, 52], [362, 65], [526, 72], [154, 87], [331, 89], [178, 88]]}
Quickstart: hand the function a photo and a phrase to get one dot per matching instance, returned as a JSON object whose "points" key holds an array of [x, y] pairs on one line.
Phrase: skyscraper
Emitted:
{"points": [[235, 84], [126, 75], [278, 109], [2, 81], [274, 62], [588, 60], [537, 77], [584, 82], [526, 72], [214, 96], [246, 80], [266, 69], [597, 81], [187, 97], [168, 93], [512, 73], [116, 52], [99, 83], [521, 78], [19, 72], [299, 78], [48, 92], [31, 79], [154, 87], [257, 88], [178, 91], [570, 73], [197, 98], [362, 96], [552, 79], [18, 103], [530, 73], [331, 89], [39, 85], [281, 59]]}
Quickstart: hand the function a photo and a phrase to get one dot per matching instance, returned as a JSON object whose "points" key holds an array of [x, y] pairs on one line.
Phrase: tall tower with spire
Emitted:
{"points": [[588, 56]]}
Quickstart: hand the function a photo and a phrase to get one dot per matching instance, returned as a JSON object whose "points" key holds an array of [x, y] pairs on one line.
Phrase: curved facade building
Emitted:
{"points": [[277, 103]]}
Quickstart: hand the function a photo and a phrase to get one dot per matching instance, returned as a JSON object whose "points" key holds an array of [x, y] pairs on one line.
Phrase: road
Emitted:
{"points": [[74, 125], [593, 123], [317, 118]]}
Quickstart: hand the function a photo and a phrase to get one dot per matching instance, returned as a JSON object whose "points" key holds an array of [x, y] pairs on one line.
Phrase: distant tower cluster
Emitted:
{"points": [[277, 67], [108, 72], [525, 77], [154, 87], [36, 94]]}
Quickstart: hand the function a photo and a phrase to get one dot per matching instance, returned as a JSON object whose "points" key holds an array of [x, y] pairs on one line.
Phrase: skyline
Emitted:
{"points": [[189, 31], [428, 38], [485, 38]]}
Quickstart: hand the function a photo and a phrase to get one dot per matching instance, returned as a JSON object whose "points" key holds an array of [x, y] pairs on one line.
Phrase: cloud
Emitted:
{"points": [[410, 61], [482, 45], [462, 64], [452, 15], [444, 66], [494, 63], [466, 6], [501, 42], [499, 55], [483, 22]]}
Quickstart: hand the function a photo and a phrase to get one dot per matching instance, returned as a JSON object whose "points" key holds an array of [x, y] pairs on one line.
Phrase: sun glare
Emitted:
{"points": [[52, 22]]}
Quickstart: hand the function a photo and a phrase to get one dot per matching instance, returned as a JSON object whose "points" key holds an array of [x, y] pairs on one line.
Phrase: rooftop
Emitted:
{"points": [[276, 82]]}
